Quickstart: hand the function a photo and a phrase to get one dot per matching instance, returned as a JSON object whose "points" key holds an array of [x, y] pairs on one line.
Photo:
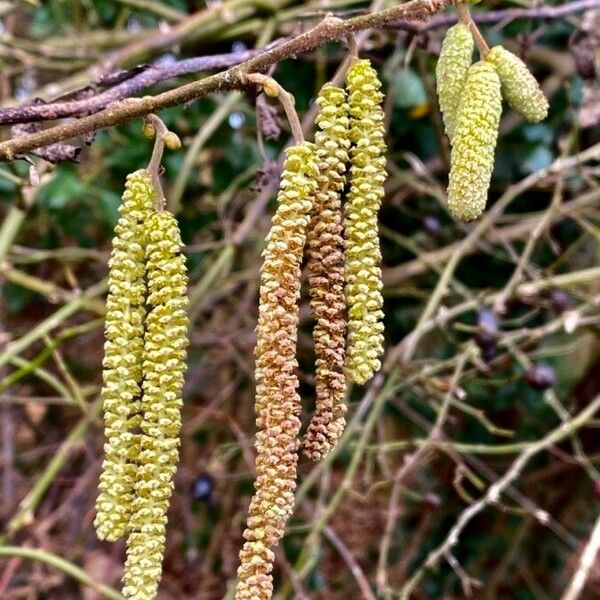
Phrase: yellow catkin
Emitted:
{"points": [[164, 354], [362, 251], [277, 400], [451, 72], [519, 87], [122, 374], [474, 144], [326, 274]]}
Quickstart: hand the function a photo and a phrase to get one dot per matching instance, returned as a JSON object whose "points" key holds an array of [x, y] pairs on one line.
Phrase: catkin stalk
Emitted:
{"points": [[362, 251], [164, 354], [474, 143], [326, 273], [277, 401], [122, 364]]}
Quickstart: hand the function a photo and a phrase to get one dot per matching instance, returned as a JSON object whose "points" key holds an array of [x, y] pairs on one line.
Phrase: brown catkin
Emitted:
{"points": [[122, 373], [277, 401], [326, 274]]}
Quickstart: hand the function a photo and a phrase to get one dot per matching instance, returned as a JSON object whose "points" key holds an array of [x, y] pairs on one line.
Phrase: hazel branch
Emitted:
{"points": [[327, 30]]}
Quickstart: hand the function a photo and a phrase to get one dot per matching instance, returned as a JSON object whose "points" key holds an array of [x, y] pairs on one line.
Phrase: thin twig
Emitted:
{"points": [[588, 558], [273, 88], [494, 492]]}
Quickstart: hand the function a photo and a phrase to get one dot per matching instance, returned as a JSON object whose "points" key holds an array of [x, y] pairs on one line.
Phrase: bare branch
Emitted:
{"points": [[327, 30]]}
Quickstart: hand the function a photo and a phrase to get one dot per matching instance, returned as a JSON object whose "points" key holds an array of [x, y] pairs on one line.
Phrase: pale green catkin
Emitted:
{"points": [[474, 143], [361, 231], [164, 355], [519, 87], [122, 374], [451, 72]]}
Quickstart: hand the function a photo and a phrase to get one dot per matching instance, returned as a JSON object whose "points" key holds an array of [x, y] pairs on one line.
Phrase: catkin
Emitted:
{"points": [[472, 156], [451, 72], [164, 354], [362, 251], [326, 273], [122, 373], [519, 87], [277, 400]]}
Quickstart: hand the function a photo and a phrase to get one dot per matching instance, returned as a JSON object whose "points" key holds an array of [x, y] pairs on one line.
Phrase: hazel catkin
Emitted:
{"points": [[451, 72], [164, 355], [326, 273], [122, 364], [277, 401], [474, 143], [519, 86], [362, 251]]}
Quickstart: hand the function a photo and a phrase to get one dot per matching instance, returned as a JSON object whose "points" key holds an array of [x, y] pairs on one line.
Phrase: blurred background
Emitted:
{"points": [[491, 328]]}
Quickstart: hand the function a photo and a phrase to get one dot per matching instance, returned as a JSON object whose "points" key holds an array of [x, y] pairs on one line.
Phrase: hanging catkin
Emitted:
{"points": [[451, 72], [326, 273], [362, 251], [277, 400], [122, 374], [164, 354], [474, 143], [519, 87]]}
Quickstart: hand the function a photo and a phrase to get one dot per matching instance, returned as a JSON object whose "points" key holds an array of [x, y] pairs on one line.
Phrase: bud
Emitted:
{"points": [[519, 87], [451, 72], [148, 130], [171, 140], [474, 142], [270, 88]]}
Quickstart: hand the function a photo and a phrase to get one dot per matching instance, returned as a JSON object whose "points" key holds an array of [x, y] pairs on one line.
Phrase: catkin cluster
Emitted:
{"points": [[146, 331], [470, 98], [344, 279], [362, 251]]}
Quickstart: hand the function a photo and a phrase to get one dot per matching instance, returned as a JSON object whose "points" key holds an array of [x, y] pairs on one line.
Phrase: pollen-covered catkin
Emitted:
{"points": [[164, 355], [122, 373], [325, 245], [277, 401], [474, 144], [519, 87], [451, 72], [361, 244]]}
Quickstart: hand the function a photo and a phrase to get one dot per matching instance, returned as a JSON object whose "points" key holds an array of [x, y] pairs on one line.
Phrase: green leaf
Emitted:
{"points": [[409, 90]]}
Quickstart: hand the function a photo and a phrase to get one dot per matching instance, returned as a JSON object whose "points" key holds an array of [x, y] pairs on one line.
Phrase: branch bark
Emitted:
{"points": [[329, 29]]}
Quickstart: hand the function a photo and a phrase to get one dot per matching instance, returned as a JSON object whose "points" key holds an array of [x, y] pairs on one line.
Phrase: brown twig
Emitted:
{"points": [[125, 88], [272, 88], [503, 16], [327, 30]]}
